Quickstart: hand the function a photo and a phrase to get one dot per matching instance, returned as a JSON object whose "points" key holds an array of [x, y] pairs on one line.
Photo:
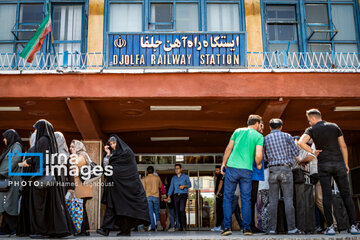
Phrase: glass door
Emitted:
{"points": [[200, 206]]}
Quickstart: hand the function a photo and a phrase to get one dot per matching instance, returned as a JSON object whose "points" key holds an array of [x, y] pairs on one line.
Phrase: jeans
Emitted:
{"points": [[236, 210], [172, 218], [180, 204], [336, 170], [243, 177], [154, 207], [281, 176]]}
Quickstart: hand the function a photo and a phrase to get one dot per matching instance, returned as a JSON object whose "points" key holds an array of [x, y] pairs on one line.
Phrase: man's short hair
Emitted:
{"points": [[217, 166], [313, 113], [178, 165], [275, 123], [150, 169], [253, 119]]}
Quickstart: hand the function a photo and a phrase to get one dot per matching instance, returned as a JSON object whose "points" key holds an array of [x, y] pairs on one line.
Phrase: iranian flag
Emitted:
{"points": [[36, 42]]}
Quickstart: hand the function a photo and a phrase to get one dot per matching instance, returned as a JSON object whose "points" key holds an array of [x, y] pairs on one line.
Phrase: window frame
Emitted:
{"points": [[303, 42], [48, 47]]}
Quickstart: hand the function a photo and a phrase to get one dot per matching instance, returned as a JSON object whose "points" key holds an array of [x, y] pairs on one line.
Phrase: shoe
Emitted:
{"points": [[39, 236], [354, 230], [330, 231], [123, 234], [103, 232], [255, 230], [226, 232], [247, 232], [159, 227], [318, 229], [216, 229], [271, 233], [171, 229], [82, 234], [296, 232]]}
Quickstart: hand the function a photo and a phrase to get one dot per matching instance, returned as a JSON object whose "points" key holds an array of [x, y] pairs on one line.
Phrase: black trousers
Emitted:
{"points": [[112, 221], [254, 191], [9, 223], [219, 211], [85, 224], [336, 170], [180, 204]]}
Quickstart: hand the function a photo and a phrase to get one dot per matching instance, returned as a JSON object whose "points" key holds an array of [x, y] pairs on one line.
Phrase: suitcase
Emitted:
{"points": [[304, 207], [340, 213], [281, 227]]}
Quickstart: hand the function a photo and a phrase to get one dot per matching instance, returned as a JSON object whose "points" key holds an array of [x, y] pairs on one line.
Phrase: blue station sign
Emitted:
{"points": [[177, 50]]}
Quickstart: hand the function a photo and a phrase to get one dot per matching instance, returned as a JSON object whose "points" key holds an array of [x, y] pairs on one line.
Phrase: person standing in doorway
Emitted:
{"points": [[246, 144], [280, 151], [332, 157], [152, 184], [179, 186], [219, 190]]}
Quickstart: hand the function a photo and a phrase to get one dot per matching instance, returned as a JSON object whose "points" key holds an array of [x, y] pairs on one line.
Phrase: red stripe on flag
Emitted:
{"points": [[39, 44]]}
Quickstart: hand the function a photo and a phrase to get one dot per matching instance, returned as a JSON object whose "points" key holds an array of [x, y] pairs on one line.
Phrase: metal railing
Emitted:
{"points": [[255, 60]]}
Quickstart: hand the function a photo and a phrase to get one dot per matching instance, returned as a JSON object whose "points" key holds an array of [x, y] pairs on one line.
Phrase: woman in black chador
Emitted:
{"points": [[124, 195], [47, 210]]}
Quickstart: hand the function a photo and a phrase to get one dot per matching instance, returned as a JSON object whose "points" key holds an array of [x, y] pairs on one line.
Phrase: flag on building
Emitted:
{"points": [[36, 42]]}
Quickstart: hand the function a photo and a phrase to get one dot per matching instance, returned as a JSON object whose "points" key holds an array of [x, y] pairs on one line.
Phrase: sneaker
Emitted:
{"points": [[247, 232], [216, 229], [159, 227], [318, 229], [255, 230], [295, 232], [271, 233], [226, 232], [330, 230], [354, 230], [171, 229]]}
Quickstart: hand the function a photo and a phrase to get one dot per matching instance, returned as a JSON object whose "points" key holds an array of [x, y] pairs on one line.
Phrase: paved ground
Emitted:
{"points": [[207, 235]]}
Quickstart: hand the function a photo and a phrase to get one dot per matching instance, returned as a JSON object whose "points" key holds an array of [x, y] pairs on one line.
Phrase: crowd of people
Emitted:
{"points": [[299, 174], [288, 162]]}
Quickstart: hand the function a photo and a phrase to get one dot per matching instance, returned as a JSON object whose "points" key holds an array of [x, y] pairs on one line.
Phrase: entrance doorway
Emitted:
{"points": [[200, 207]]}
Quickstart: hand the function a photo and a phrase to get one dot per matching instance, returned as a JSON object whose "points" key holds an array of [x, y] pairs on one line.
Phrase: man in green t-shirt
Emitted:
{"points": [[246, 144]]}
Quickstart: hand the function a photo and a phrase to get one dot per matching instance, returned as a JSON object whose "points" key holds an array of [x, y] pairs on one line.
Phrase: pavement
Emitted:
{"points": [[207, 235]]}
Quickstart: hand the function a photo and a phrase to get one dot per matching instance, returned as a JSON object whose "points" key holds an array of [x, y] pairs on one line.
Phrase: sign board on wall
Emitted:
{"points": [[177, 50]]}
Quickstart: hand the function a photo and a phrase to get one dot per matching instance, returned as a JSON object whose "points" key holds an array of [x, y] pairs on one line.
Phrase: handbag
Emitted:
{"points": [[75, 208], [298, 175], [87, 173]]}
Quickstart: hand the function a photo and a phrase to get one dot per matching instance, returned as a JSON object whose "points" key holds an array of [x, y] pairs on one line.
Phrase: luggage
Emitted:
{"points": [[75, 207], [262, 214], [340, 213], [304, 208], [281, 218]]}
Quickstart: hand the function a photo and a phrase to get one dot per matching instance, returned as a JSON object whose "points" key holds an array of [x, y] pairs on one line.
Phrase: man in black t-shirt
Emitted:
{"points": [[332, 157], [219, 190]]}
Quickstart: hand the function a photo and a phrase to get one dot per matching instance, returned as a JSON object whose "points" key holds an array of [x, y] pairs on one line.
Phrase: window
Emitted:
{"points": [[325, 26], [67, 28], [8, 20], [175, 16], [187, 17], [281, 27], [126, 18], [223, 17], [21, 18], [161, 16]]}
